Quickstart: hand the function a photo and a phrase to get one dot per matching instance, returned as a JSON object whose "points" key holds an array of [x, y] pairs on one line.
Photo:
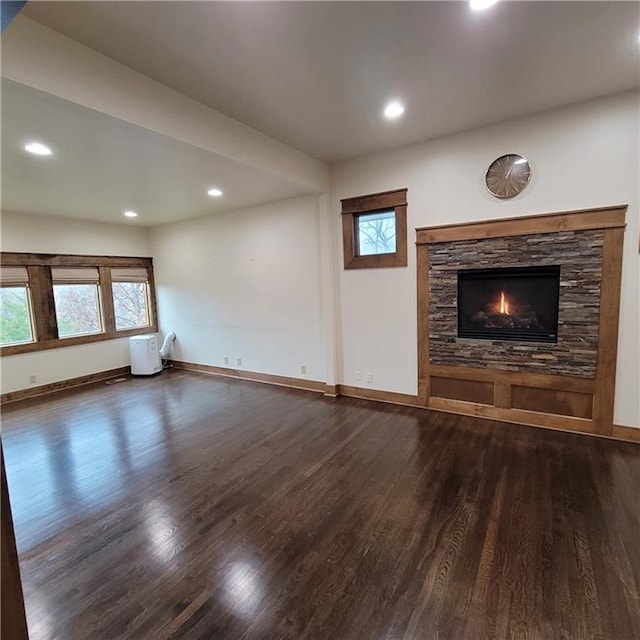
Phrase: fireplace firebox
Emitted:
{"points": [[518, 303]]}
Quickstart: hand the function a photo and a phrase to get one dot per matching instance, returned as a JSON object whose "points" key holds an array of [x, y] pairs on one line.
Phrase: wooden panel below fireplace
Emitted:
{"points": [[466, 390], [551, 401], [564, 403]]}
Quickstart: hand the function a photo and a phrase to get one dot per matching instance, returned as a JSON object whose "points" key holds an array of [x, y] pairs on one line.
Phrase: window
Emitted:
{"points": [[374, 230], [15, 307], [77, 301], [49, 301], [130, 298]]}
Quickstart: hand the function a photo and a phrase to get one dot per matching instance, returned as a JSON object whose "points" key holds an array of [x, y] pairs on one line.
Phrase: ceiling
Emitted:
{"points": [[316, 75], [102, 166], [313, 75]]}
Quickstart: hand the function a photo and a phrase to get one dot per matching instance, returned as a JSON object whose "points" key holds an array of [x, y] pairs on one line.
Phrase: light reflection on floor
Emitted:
{"points": [[161, 529], [242, 588], [82, 460]]}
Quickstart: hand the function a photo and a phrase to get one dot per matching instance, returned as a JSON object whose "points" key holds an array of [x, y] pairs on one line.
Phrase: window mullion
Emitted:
{"points": [[44, 308], [151, 292], [106, 296]]}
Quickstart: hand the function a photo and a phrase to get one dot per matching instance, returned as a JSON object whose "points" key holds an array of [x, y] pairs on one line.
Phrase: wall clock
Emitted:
{"points": [[508, 175]]}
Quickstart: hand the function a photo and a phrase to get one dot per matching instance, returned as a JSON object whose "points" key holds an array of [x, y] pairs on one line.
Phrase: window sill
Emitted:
{"points": [[380, 260], [44, 345]]}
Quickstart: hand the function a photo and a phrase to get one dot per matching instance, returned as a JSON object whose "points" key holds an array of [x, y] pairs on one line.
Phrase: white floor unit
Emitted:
{"points": [[145, 358]]}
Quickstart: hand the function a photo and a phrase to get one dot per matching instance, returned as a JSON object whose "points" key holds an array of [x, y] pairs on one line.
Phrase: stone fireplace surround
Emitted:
{"points": [[579, 254], [569, 384]]}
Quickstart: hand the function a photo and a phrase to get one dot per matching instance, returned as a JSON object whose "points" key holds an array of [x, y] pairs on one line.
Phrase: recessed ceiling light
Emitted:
{"points": [[481, 4], [215, 192], [130, 214], [38, 149], [520, 161], [393, 110]]}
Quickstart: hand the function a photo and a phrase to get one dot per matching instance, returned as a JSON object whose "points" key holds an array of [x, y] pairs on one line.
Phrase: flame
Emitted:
{"points": [[504, 304]]}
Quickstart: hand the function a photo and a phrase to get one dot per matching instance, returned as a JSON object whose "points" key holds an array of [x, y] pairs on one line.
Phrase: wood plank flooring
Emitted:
{"points": [[186, 506]]}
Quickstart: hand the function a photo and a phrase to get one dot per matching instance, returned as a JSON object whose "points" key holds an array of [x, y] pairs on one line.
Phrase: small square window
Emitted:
{"points": [[375, 230]]}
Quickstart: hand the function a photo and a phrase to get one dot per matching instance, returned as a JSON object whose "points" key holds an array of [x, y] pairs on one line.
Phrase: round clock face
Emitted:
{"points": [[508, 175]]}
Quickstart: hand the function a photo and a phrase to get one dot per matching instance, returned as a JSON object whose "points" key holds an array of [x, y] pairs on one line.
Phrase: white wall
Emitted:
{"points": [[246, 284], [26, 232], [582, 156], [46, 234]]}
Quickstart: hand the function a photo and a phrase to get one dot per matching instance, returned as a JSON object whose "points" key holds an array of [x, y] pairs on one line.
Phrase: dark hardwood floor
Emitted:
{"points": [[188, 506]]}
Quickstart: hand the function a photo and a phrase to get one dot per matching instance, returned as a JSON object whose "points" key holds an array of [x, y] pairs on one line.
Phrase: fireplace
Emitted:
{"points": [[560, 272], [518, 303]]}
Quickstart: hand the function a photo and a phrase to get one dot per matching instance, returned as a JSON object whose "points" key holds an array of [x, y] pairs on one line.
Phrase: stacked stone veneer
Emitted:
{"points": [[579, 254]]}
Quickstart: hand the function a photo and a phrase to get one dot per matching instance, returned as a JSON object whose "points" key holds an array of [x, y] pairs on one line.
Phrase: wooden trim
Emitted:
{"points": [[630, 434], [42, 305], [61, 385], [608, 331], [516, 416], [600, 218], [539, 380], [423, 323], [299, 383], [108, 311], [375, 201], [15, 259], [253, 376], [352, 208], [348, 240], [619, 436], [13, 621], [73, 341], [151, 288], [380, 261], [390, 397]]}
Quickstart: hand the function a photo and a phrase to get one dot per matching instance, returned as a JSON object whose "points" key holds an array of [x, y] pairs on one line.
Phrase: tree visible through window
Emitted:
{"points": [[130, 288], [15, 319], [377, 233], [130, 304], [16, 326], [77, 309], [77, 300]]}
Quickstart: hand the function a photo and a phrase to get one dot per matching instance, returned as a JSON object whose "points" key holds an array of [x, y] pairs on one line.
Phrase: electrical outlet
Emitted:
{"points": [[238, 361], [369, 377], [357, 376], [303, 368], [225, 359], [33, 379]]}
